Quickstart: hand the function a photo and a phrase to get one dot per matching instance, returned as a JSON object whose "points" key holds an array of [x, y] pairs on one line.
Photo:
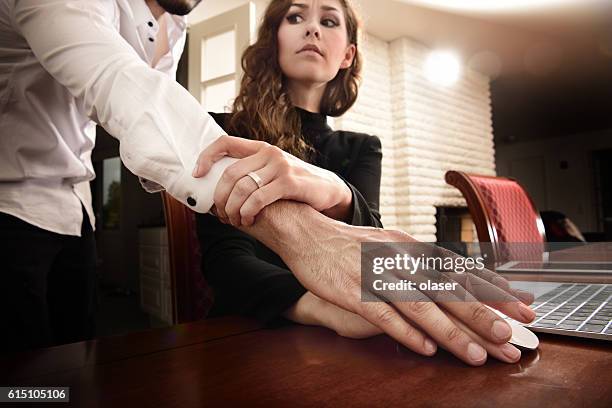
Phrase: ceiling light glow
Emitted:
{"points": [[492, 5], [442, 67]]}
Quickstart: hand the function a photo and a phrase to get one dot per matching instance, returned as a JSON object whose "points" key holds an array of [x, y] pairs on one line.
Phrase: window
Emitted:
{"points": [[111, 193]]}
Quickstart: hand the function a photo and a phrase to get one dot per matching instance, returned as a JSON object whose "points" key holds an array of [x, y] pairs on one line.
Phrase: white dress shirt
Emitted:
{"points": [[64, 63]]}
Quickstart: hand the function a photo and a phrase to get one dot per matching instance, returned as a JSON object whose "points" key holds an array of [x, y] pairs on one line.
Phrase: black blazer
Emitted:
{"points": [[247, 277]]}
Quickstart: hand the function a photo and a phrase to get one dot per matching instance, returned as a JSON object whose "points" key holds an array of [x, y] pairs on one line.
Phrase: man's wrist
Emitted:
{"points": [[283, 226]]}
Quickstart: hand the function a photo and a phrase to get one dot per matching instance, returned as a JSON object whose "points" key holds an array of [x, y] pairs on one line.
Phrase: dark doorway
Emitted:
{"points": [[122, 209], [602, 164]]}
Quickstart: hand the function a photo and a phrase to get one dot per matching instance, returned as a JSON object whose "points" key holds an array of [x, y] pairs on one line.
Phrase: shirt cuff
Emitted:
{"points": [[150, 186], [198, 193], [356, 215], [362, 214]]}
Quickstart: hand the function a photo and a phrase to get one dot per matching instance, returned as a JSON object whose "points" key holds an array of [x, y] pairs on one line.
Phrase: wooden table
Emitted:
{"points": [[235, 362]]}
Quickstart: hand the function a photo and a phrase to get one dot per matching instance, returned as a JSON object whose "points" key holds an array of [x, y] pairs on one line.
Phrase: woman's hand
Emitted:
{"points": [[239, 197], [313, 311]]}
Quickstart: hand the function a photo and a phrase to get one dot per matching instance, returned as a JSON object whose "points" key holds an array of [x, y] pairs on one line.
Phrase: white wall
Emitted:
{"points": [[372, 114], [425, 129], [536, 165], [210, 8]]}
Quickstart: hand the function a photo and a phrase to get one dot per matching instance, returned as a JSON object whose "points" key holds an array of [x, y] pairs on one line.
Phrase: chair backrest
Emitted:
{"points": [[503, 213], [192, 298]]}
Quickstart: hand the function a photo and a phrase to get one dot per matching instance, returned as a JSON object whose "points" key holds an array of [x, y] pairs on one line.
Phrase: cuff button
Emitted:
{"points": [[191, 201]]}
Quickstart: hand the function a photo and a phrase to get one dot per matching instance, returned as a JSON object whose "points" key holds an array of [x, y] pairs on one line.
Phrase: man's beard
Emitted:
{"points": [[178, 7]]}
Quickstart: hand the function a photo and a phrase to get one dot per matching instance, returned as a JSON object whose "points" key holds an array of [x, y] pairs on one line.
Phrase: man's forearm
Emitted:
{"points": [[325, 256], [322, 253], [290, 228]]}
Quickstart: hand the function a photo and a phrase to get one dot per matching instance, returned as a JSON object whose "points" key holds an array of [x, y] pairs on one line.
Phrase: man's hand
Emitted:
{"points": [[325, 256], [314, 311]]}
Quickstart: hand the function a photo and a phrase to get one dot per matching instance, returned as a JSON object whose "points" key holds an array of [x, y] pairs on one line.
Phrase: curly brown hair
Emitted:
{"points": [[263, 110]]}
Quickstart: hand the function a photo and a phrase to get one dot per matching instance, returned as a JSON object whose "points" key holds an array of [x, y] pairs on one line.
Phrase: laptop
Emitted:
{"points": [[564, 267], [566, 303], [570, 309]]}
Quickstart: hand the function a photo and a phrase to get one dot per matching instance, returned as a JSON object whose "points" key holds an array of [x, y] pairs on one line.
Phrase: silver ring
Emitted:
{"points": [[256, 179]]}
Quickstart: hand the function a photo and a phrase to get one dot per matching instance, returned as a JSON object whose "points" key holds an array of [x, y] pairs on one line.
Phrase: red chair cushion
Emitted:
{"points": [[513, 216]]}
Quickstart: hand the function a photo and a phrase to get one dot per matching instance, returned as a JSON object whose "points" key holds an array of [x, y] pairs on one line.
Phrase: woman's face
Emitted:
{"points": [[313, 42]]}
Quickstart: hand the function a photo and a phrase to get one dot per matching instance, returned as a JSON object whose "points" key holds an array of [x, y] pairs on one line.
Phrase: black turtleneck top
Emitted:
{"points": [[248, 278]]}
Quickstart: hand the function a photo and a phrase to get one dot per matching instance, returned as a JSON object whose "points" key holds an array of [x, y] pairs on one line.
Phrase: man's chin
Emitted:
{"points": [[178, 7]]}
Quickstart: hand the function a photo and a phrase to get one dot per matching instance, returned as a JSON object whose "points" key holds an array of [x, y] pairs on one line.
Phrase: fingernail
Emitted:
{"points": [[476, 352], [430, 347], [501, 330], [511, 352], [526, 312]]}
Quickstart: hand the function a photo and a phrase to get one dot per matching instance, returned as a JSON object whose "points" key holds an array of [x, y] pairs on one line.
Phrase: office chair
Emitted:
{"points": [[192, 298], [503, 213]]}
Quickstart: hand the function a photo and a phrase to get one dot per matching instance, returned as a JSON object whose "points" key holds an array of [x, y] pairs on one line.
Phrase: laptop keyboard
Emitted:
{"points": [[577, 307]]}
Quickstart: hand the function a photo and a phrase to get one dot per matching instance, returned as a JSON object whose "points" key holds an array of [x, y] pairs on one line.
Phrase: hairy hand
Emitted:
{"points": [[325, 256]]}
